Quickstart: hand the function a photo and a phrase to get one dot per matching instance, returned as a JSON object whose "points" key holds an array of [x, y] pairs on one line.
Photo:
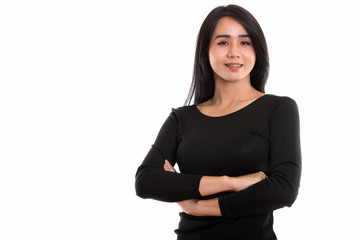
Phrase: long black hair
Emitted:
{"points": [[203, 85]]}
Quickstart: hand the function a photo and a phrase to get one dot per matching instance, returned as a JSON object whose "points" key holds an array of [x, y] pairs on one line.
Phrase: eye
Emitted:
{"points": [[245, 43], [223, 43]]}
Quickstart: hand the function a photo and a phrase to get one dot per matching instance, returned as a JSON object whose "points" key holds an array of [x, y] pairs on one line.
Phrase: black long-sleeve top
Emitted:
{"points": [[263, 136]]}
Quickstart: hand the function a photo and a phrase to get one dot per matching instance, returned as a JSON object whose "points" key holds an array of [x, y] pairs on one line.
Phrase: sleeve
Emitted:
{"points": [[280, 189], [152, 181]]}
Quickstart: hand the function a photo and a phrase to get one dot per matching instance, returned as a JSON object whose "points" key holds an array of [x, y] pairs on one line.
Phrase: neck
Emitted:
{"points": [[228, 92]]}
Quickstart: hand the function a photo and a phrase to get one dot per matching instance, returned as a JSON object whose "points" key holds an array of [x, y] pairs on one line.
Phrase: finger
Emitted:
{"points": [[166, 167], [169, 167]]}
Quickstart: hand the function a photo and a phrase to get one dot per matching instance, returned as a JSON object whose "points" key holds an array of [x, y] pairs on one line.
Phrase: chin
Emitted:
{"points": [[233, 79]]}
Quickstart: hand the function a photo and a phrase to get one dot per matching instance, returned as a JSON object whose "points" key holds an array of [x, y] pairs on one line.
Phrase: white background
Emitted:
{"points": [[86, 85]]}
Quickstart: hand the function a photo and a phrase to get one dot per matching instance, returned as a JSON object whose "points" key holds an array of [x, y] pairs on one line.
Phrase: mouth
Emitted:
{"points": [[234, 66]]}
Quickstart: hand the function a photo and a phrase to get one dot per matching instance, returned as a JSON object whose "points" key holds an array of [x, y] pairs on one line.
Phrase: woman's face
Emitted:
{"points": [[231, 54]]}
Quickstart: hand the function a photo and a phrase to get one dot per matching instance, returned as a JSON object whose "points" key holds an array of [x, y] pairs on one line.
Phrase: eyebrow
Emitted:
{"points": [[228, 36]]}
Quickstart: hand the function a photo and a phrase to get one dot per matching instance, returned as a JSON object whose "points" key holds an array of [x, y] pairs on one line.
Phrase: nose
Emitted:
{"points": [[234, 52]]}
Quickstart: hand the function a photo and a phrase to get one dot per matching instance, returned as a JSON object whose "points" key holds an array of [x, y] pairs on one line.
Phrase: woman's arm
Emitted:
{"points": [[211, 185], [201, 207], [153, 182], [280, 189], [151, 179], [277, 190]]}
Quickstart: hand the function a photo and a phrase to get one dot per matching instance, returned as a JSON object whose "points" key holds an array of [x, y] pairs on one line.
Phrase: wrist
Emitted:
{"points": [[210, 185], [208, 207], [229, 183]]}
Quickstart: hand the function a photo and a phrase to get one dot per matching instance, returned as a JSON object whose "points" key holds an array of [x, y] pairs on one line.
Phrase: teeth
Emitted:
{"points": [[233, 65]]}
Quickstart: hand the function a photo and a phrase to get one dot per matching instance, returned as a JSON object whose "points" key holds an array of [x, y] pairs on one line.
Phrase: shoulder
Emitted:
{"points": [[183, 109], [180, 113], [282, 107], [276, 101]]}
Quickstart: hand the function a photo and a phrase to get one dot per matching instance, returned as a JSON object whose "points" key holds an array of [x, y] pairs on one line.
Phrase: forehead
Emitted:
{"points": [[229, 26]]}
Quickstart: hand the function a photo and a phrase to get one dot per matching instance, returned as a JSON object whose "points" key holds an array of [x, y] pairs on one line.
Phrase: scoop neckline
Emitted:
{"points": [[232, 113]]}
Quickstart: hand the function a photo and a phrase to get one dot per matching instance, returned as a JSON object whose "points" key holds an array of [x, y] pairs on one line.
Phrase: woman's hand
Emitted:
{"points": [[189, 206], [242, 182], [168, 167], [214, 185]]}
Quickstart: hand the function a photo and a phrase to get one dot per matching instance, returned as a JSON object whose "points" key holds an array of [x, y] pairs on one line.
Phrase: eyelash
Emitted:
{"points": [[222, 43], [243, 43]]}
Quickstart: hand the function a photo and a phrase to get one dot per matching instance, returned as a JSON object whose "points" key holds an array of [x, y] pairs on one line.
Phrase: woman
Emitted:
{"points": [[238, 149]]}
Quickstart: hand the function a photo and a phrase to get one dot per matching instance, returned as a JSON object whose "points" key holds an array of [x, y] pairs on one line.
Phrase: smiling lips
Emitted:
{"points": [[234, 66]]}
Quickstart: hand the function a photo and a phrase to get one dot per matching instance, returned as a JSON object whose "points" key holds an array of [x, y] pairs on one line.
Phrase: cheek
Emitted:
{"points": [[253, 59], [250, 57], [212, 59], [215, 57], [253, 55]]}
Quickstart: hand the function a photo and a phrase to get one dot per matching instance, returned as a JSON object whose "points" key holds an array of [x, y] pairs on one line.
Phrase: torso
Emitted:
{"points": [[233, 143]]}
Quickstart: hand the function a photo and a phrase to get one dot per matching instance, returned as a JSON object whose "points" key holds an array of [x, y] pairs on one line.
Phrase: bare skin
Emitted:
{"points": [[232, 57], [233, 89]]}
